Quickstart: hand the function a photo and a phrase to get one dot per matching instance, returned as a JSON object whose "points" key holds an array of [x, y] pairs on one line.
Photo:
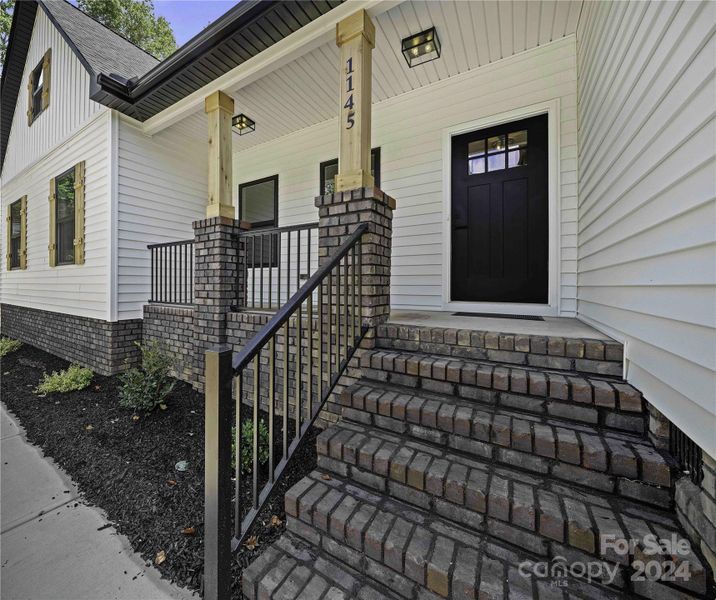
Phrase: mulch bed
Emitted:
{"points": [[126, 467]]}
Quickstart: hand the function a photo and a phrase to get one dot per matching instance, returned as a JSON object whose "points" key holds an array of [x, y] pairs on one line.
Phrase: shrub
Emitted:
{"points": [[71, 379], [147, 387], [247, 445], [8, 345]]}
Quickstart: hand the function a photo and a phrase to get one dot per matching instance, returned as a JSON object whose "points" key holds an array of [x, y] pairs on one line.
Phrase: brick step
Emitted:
{"points": [[293, 569], [588, 399], [602, 357], [541, 514], [421, 555], [536, 443]]}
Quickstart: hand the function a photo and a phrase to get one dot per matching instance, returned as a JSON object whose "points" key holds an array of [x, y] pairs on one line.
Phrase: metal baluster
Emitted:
{"points": [[270, 269], [309, 318], [308, 256], [191, 272], [151, 274], [285, 389], [175, 249], [261, 274], [319, 383], [299, 373], [271, 389], [338, 318], [329, 340], [253, 271], [288, 269], [353, 294], [298, 260], [278, 274], [237, 459], [360, 286], [345, 304], [255, 474], [165, 294]]}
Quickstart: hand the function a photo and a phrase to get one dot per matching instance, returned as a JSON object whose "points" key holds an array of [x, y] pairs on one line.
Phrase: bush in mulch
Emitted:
{"points": [[126, 466]]}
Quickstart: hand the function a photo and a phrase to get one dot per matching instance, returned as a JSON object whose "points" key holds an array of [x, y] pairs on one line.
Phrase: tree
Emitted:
{"points": [[6, 7], [135, 20]]}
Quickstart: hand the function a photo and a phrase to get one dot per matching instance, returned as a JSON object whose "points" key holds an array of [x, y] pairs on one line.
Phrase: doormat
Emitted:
{"points": [[498, 316]]}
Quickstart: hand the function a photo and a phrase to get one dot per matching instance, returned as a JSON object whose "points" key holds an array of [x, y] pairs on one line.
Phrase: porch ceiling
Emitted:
{"points": [[473, 34]]}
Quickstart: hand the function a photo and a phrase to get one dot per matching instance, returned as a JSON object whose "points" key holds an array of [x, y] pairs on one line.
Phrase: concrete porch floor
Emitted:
{"points": [[566, 327]]}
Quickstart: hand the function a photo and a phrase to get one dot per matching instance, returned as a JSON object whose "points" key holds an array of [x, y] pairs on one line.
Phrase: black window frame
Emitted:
{"points": [[375, 156], [36, 92], [15, 262], [272, 259], [58, 262]]}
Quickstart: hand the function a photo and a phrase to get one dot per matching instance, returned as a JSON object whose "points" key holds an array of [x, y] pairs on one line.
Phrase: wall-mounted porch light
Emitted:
{"points": [[243, 124], [421, 47]]}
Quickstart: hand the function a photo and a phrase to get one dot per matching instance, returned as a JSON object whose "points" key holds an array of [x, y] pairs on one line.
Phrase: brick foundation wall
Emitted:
{"points": [[696, 509], [173, 326], [103, 346]]}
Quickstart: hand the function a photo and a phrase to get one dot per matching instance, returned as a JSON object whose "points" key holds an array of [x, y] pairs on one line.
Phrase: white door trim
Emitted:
{"points": [[551, 108]]}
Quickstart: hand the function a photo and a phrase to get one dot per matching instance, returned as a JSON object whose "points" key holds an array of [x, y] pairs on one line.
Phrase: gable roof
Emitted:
{"points": [[128, 79]]}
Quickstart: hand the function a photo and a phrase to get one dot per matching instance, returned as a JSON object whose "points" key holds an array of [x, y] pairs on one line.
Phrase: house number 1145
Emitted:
{"points": [[350, 116]]}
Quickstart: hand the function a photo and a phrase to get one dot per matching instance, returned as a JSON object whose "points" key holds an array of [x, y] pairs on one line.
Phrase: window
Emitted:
{"points": [[498, 153], [16, 235], [258, 205], [329, 170], [67, 217], [38, 89]]}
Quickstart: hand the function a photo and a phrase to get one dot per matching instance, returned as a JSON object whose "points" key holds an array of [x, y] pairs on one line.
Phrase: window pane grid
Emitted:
{"points": [[497, 153]]}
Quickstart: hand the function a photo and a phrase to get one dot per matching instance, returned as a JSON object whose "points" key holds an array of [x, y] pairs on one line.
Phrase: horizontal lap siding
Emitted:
{"points": [[408, 129], [69, 108], [73, 289], [647, 198], [162, 189]]}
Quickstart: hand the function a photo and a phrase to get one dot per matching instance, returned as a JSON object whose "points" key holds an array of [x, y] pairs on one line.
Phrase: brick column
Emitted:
{"points": [[339, 215], [218, 260]]}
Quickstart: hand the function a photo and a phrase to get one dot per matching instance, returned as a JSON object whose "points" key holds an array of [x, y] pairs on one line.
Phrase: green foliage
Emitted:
{"points": [[247, 445], [147, 387], [71, 379], [135, 20], [8, 345], [6, 7]]}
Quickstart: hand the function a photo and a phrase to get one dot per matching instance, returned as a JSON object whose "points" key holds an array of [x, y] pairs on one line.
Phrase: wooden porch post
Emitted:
{"points": [[219, 108], [355, 36]]}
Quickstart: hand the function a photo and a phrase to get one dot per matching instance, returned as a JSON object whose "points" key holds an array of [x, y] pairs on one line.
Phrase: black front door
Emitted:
{"points": [[499, 213]]}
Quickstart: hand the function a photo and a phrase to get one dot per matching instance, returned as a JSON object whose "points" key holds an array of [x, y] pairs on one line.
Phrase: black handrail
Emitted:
{"points": [[246, 354]]}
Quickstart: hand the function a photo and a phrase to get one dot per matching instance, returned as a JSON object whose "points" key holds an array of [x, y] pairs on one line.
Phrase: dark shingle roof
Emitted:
{"points": [[104, 50]]}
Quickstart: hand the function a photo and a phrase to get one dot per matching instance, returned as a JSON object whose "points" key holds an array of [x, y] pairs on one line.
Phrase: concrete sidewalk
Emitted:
{"points": [[50, 544]]}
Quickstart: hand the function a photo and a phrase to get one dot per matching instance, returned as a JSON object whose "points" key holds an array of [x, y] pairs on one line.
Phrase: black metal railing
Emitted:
{"points": [[279, 261], [687, 453], [172, 272], [293, 363]]}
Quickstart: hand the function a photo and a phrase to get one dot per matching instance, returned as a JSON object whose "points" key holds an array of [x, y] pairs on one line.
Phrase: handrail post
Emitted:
{"points": [[217, 474]]}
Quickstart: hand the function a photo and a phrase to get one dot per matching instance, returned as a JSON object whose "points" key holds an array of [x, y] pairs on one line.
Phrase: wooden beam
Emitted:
{"points": [[219, 108], [355, 36]]}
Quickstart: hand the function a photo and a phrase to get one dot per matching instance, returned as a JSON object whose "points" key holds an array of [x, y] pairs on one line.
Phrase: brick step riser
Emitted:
{"points": [[542, 531], [572, 354], [565, 407], [424, 571], [532, 446]]}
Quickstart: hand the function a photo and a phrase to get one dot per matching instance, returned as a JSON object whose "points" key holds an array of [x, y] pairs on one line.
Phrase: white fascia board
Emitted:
{"points": [[306, 39]]}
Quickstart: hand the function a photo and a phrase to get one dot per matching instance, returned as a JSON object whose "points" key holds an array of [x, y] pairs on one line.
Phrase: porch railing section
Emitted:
{"points": [[172, 272], [279, 261], [296, 359]]}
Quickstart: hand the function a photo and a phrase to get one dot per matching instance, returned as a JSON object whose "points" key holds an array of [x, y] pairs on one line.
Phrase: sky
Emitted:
{"points": [[189, 17]]}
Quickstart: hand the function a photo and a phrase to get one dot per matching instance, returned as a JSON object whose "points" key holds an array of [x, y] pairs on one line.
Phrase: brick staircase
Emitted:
{"points": [[468, 462]]}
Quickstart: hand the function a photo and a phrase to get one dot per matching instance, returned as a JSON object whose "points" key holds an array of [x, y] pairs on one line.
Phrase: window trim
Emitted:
{"points": [[261, 224], [59, 263], [22, 247], [375, 154]]}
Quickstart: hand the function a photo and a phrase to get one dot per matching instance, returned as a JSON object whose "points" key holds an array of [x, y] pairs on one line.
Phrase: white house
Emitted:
{"points": [[555, 160]]}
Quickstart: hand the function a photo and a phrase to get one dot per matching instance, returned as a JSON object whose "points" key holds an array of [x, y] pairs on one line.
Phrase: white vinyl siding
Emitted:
{"points": [[162, 190], [647, 208], [71, 289], [408, 129], [70, 107]]}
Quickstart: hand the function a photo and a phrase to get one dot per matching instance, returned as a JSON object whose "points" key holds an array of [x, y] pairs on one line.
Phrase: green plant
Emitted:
{"points": [[247, 444], [8, 345], [147, 387], [73, 378]]}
